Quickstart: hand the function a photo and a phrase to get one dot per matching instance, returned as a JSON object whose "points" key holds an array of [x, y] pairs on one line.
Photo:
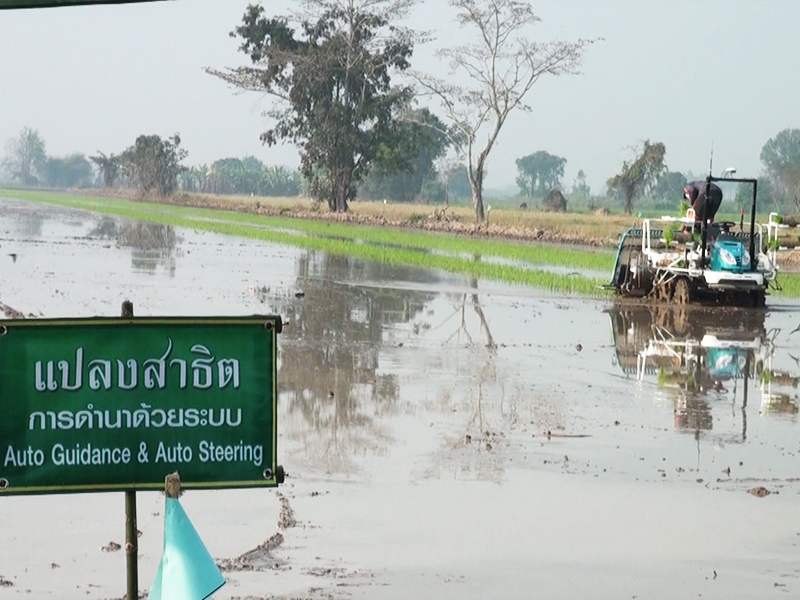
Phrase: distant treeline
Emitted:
{"points": [[154, 166], [151, 165], [245, 176]]}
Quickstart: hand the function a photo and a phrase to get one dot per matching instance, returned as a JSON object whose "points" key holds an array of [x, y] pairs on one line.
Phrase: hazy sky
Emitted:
{"points": [[683, 72]]}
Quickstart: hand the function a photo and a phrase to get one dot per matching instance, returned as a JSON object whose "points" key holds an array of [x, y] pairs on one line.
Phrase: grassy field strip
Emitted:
{"points": [[254, 227], [531, 253], [483, 270], [523, 252], [564, 270], [790, 282]]}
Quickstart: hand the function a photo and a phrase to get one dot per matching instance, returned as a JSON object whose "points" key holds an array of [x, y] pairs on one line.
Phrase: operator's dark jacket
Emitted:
{"points": [[695, 194]]}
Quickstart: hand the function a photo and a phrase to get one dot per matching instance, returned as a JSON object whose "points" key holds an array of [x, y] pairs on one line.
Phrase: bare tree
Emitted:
{"points": [[25, 157], [502, 67]]}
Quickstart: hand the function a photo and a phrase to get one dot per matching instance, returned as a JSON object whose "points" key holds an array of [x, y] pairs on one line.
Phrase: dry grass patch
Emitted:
{"points": [[593, 229], [568, 228]]}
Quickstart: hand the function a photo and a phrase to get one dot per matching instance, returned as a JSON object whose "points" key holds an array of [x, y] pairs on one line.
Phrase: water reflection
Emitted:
{"points": [[334, 392], [153, 245], [702, 356], [461, 304], [482, 410], [31, 225], [346, 352], [476, 448]]}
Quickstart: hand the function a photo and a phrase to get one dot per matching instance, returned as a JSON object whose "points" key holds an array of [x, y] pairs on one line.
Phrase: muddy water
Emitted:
{"points": [[444, 437]]}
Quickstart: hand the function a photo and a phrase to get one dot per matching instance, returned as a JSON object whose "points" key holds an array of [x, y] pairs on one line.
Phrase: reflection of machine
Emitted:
{"points": [[778, 391], [694, 351], [695, 347]]}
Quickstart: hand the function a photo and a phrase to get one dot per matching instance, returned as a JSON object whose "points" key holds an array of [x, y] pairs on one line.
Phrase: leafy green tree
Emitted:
{"points": [[226, 176], [237, 176], [669, 186], [770, 195], [781, 157], [193, 179], [245, 176], [109, 167], [580, 189], [25, 156], [420, 135], [433, 191], [538, 173], [331, 73], [153, 165], [280, 181], [187, 180], [71, 171], [458, 183], [639, 174], [251, 178]]}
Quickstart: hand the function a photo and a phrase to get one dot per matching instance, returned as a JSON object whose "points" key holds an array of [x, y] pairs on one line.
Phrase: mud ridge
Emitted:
{"points": [[286, 518], [257, 559], [260, 558], [11, 313], [313, 594]]}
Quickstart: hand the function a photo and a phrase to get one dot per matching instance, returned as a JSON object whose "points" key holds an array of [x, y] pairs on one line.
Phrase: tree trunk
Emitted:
{"points": [[476, 184], [477, 202], [340, 187], [628, 203]]}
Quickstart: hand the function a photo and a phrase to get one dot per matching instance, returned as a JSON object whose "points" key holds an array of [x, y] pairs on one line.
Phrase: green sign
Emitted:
{"points": [[106, 404]]}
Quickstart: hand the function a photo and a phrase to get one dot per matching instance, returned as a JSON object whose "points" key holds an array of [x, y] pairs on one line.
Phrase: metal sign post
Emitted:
{"points": [[131, 528]]}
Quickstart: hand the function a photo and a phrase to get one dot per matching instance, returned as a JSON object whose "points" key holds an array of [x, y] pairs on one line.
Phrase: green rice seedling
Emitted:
{"points": [[526, 252], [790, 285], [573, 284], [452, 253]]}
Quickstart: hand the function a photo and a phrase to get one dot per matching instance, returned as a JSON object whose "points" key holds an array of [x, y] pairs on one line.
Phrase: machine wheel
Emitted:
{"points": [[682, 293], [663, 292]]}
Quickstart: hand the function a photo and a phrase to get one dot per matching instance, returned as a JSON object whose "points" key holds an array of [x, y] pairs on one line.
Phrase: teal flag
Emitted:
{"points": [[186, 571]]}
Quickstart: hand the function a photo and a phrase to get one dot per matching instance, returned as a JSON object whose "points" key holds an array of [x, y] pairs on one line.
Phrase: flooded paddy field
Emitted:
{"points": [[444, 437]]}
